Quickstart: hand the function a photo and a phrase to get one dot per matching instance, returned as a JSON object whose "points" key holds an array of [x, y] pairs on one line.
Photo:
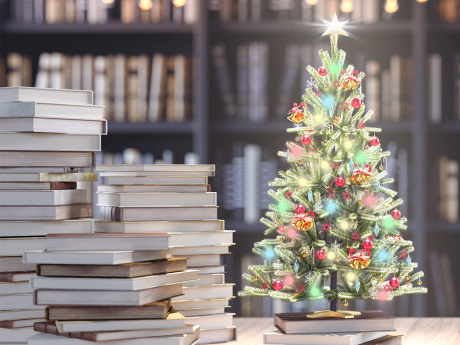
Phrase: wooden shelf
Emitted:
{"points": [[150, 128]]}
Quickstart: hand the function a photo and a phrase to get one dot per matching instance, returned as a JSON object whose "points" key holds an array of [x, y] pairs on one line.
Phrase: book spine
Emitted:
{"points": [[243, 11], [457, 85], [258, 75], [395, 77], [180, 67], [242, 62], [142, 86], [157, 88], [119, 88], [373, 89], [223, 78], [256, 11], [191, 11], [291, 67], [252, 159]]}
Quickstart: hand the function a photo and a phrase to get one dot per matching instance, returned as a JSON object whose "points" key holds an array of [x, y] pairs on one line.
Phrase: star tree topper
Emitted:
{"points": [[334, 28]]}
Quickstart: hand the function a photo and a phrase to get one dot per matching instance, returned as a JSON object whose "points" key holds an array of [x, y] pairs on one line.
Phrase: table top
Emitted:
{"points": [[416, 331]]}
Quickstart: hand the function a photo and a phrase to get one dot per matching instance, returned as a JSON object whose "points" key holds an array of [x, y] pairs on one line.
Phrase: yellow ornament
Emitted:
{"points": [[387, 237], [419, 282], [381, 278], [304, 255], [347, 246], [326, 186], [326, 88], [380, 168], [346, 137], [360, 201], [296, 294], [296, 117], [299, 189], [352, 223], [300, 162], [256, 278], [281, 239], [337, 258], [325, 143], [345, 304], [373, 273], [407, 277]]}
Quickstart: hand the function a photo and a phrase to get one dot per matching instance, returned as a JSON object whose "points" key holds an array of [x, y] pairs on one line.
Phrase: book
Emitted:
{"points": [[132, 87], [42, 228], [156, 104], [131, 284], [435, 87], [18, 245], [219, 335], [258, 74], [201, 311], [156, 173], [210, 291], [42, 197], [448, 189], [202, 280], [157, 199], [33, 213], [50, 328], [12, 288], [106, 297], [347, 338], [37, 185], [373, 88], [52, 125], [161, 180], [201, 260], [54, 110], [203, 303], [159, 226], [209, 269], [129, 214], [24, 314], [205, 238], [184, 339], [368, 321], [154, 188], [154, 310], [222, 73], [13, 264], [291, 67], [129, 270], [34, 94], [17, 301], [119, 80], [107, 241], [211, 321], [48, 177], [16, 335], [94, 257], [395, 77], [156, 167], [181, 88], [242, 79], [196, 250], [10, 277], [46, 158], [252, 159], [60, 170], [19, 323]]}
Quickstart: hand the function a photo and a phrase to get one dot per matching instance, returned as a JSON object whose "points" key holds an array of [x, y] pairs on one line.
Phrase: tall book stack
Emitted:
{"points": [[46, 137], [151, 198], [101, 287], [371, 327]]}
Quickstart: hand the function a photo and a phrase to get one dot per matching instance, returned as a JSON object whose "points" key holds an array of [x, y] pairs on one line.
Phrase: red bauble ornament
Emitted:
{"points": [[321, 254], [340, 181], [277, 285], [396, 214], [300, 209], [356, 103], [322, 71], [306, 139], [374, 141], [367, 243], [394, 282]]}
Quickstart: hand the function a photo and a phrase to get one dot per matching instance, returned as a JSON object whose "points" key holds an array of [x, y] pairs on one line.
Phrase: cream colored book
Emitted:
{"points": [[22, 314], [48, 177], [42, 197], [18, 301], [52, 125], [42, 228], [49, 142], [156, 167], [46, 158], [159, 226], [19, 245], [183, 304], [209, 279], [35, 94], [154, 188], [15, 287], [33, 213], [205, 238], [211, 321], [156, 173], [201, 250], [168, 180], [157, 199], [209, 291]]}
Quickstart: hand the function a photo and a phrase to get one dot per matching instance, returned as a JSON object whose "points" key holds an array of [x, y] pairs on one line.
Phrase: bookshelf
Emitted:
{"points": [[209, 132]]}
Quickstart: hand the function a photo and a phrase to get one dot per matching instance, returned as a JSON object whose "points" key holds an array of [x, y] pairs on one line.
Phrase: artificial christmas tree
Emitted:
{"points": [[333, 217]]}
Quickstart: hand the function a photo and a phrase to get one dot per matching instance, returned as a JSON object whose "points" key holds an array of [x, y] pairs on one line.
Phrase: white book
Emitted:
{"points": [[157, 87], [203, 303], [252, 158], [23, 323], [157, 199], [52, 125], [395, 76], [201, 250], [15, 288], [42, 197], [370, 11], [42, 79], [142, 87], [210, 291], [76, 75], [42, 228], [435, 85], [119, 81], [22, 314], [35, 94], [156, 173], [211, 321], [185, 339], [373, 89], [57, 170], [201, 311], [130, 284], [154, 188], [155, 167], [18, 301], [48, 177], [94, 257], [159, 226], [351, 338], [209, 279], [201, 260], [209, 270], [19, 245], [17, 335], [49, 142], [55, 110], [157, 180], [205, 238]]}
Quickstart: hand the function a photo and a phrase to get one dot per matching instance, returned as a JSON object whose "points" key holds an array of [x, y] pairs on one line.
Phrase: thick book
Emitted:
{"points": [[201, 260], [105, 297], [99, 241], [155, 167], [205, 279], [42, 197], [14, 264], [156, 173], [205, 238], [94, 257], [154, 310], [34, 94], [154, 188], [211, 321], [47, 158], [42, 228], [18, 245], [157, 199], [368, 321], [203, 270], [49, 142], [55, 110], [110, 284], [18, 301], [52, 125], [130, 214], [210, 291], [199, 250], [17, 287], [19, 323], [48, 177], [334, 338], [11, 277], [24, 314], [32, 213], [55, 170], [17, 336], [50, 328], [129, 270], [202, 311], [159, 226], [203, 303], [156, 102], [161, 180], [219, 335], [37, 185], [242, 79]]}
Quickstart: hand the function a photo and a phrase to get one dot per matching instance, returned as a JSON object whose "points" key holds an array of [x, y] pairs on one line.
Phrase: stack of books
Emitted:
{"points": [[110, 287], [151, 198], [46, 137], [369, 328]]}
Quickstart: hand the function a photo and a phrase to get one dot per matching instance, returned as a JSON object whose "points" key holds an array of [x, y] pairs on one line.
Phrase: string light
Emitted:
{"points": [[311, 2], [391, 6], [346, 6], [145, 5], [108, 2], [179, 3], [421, 0]]}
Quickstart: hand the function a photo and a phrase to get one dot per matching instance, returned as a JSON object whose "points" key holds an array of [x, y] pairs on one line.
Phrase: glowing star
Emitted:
{"points": [[264, 286], [331, 194], [403, 254], [334, 28], [326, 227], [289, 194], [300, 288], [355, 236], [346, 196], [361, 125], [335, 165]]}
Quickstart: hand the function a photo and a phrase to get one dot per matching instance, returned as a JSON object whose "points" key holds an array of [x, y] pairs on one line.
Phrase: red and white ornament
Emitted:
{"points": [[277, 285], [321, 254], [340, 181], [306, 139], [300, 209], [396, 214], [374, 141], [322, 71], [367, 243], [356, 103], [394, 282]]}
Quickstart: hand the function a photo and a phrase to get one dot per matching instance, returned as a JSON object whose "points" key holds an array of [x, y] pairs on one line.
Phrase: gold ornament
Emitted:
{"points": [[360, 201], [299, 189], [381, 278], [352, 223], [387, 237], [407, 277], [326, 88], [281, 239], [346, 137], [347, 246], [350, 83], [302, 223], [380, 167], [296, 117], [345, 304], [337, 118], [337, 258], [256, 278], [300, 162], [296, 294], [325, 143], [373, 273], [304, 255], [326, 186], [419, 282]]}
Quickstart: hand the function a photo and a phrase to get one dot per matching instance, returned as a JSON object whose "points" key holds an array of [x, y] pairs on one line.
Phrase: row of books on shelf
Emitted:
{"points": [[100, 12], [448, 189], [132, 88]]}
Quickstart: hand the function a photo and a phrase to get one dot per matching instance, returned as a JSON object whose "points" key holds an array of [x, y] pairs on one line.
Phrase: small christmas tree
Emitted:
{"points": [[333, 217]]}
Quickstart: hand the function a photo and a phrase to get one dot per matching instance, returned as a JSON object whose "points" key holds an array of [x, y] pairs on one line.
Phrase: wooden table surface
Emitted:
{"points": [[416, 331]]}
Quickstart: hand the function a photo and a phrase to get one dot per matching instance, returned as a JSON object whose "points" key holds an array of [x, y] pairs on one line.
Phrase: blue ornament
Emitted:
{"points": [[408, 261], [377, 186], [350, 164], [310, 196], [296, 267], [288, 156], [331, 112], [376, 230], [357, 285]]}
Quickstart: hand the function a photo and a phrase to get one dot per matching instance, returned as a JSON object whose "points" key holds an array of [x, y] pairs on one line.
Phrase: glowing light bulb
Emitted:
{"points": [[311, 2], [145, 5], [346, 6], [179, 3], [289, 280], [318, 118], [348, 144], [331, 256], [325, 165], [350, 276], [421, 0], [344, 225], [302, 182], [391, 6], [108, 2]]}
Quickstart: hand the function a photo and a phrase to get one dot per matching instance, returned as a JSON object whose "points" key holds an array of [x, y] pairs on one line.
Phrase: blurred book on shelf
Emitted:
{"points": [[448, 189]]}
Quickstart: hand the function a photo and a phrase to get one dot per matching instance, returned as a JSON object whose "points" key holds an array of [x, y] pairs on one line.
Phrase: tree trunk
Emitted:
{"points": [[335, 302]]}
